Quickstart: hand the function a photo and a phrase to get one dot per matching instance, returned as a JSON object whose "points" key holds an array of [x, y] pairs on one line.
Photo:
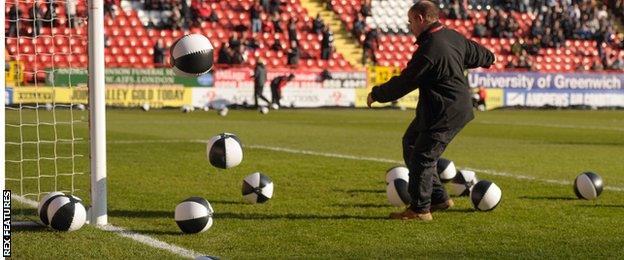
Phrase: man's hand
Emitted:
{"points": [[369, 100]]}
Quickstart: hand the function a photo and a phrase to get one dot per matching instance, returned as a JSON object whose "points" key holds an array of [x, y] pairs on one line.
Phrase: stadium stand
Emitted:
{"points": [[583, 37], [135, 30], [588, 41]]}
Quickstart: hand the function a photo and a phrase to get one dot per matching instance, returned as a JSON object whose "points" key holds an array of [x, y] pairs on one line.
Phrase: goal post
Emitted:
{"points": [[97, 112]]}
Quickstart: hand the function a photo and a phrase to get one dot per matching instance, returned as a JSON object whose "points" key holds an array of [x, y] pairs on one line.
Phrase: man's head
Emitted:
{"points": [[421, 15]]}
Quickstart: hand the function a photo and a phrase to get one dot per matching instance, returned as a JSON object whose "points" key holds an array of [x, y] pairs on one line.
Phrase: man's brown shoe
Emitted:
{"points": [[409, 214], [442, 206]]}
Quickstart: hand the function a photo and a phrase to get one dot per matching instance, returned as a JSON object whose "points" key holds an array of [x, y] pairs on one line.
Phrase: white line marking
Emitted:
{"points": [[143, 239], [551, 125], [360, 158]]}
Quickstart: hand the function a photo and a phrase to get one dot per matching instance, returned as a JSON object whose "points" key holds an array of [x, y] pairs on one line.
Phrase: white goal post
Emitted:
{"points": [[97, 112]]}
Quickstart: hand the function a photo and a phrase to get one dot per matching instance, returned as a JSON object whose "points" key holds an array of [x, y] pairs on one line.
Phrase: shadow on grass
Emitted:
{"points": [[159, 232], [28, 226], [460, 210], [140, 213], [547, 198], [290, 216], [360, 191], [361, 205]]}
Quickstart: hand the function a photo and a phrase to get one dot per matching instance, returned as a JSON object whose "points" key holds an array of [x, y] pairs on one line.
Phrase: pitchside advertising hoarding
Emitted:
{"points": [[554, 89], [308, 89]]}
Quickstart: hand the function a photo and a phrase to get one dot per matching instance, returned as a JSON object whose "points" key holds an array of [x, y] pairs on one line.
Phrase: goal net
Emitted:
{"points": [[52, 135]]}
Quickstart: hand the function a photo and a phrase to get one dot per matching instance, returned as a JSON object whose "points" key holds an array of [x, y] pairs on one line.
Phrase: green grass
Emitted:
{"points": [[336, 208]]}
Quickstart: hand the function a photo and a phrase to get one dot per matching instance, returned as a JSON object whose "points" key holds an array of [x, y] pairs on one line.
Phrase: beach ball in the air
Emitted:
{"points": [[191, 55], [224, 151], [257, 188]]}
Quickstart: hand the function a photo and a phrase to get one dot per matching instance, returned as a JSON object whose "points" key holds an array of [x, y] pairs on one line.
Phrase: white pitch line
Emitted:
{"points": [[361, 158], [143, 239], [552, 125]]}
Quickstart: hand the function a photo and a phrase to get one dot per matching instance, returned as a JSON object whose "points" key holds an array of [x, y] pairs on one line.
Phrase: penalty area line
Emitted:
{"points": [[143, 239]]}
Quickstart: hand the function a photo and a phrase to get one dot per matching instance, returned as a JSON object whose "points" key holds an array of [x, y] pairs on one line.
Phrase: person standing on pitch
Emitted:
{"points": [[444, 103], [260, 77], [277, 84]]}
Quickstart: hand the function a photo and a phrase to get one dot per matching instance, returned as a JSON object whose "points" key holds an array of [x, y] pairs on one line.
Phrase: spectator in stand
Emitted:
{"points": [[275, 19], [547, 39], [292, 30], [200, 11], [524, 62], [479, 30], [159, 53], [457, 10], [277, 45], [254, 13], [597, 66], [359, 25], [213, 18], [35, 16], [618, 62], [326, 43], [274, 6], [225, 54], [14, 17], [234, 41], [370, 45], [293, 54], [532, 46], [277, 84], [536, 29], [559, 39], [240, 55], [185, 13], [317, 24], [491, 21], [366, 9], [516, 47], [50, 14], [512, 64], [252, 42], [109, 8], [260, 77]]}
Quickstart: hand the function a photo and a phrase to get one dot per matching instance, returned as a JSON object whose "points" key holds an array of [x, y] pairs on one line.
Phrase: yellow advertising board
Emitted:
{"points": [[378, 75], [116, 95], [494, 98], [15, 74]]}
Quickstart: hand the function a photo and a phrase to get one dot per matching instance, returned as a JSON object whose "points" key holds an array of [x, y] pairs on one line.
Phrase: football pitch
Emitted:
{"points": [[328, 167]]}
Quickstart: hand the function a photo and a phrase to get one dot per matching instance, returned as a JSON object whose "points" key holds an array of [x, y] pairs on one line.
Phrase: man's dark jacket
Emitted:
{"points": [[437, 69]]}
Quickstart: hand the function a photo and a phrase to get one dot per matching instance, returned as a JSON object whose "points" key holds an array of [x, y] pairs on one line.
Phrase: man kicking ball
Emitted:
{"points": [[444, 103]]}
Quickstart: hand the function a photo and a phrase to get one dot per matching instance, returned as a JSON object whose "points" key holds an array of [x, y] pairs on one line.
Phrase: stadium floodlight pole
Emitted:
{"points": [[97, 112]]}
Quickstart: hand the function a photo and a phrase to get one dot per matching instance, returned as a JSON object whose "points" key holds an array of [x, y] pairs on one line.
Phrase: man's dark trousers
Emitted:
{"points": [[421, 151], [258, 94]]}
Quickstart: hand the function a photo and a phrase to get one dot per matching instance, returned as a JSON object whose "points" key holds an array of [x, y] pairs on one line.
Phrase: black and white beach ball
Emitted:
{"points": [[224, 151], [588, 186], [485, 195], [42, 207], [191, 55], [397, 172], [194, 215], [397, 188], [257, 188], [463, 181], [446, 170], [66, 213]]}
